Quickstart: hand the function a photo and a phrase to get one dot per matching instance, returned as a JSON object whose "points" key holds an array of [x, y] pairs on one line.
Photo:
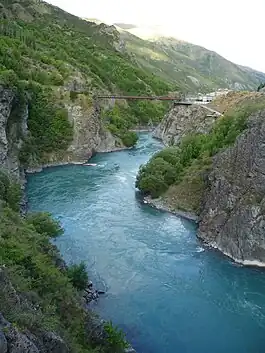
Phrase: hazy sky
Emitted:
{"points": [[233, 29]]}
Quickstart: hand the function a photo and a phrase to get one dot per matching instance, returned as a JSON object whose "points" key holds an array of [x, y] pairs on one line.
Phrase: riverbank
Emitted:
{"points": [[41, 167], [245, 263], [159, 204], [97, 328]]}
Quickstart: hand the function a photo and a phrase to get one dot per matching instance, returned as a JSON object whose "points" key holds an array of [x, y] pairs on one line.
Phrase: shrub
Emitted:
{"points": [[116, 338], [10, 192], [129, 138], [78, 275], [8, 78], [45, 224], [13, 196]]}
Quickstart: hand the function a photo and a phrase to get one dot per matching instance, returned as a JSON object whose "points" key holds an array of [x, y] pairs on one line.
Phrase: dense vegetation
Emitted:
{"points": [[46, 51], [119, 119], [173, 164], [50, 300], [50, 129]]}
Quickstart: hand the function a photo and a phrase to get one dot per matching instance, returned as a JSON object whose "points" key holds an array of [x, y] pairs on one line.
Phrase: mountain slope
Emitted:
{"points": [[189, 66]]}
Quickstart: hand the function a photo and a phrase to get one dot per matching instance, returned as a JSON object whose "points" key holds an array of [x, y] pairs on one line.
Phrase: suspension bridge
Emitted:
{"points": [[176, 100]]}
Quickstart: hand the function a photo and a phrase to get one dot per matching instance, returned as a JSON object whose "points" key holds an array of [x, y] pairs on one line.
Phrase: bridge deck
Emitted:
{"points": [[138, 97], [161, 98]]}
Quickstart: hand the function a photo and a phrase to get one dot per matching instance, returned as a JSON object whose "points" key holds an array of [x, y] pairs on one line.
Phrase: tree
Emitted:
{"points": [[78, 275], [44, 224]]}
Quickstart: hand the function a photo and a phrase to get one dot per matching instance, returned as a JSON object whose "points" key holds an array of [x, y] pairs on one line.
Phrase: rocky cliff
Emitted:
{"points": [[89, 134], [14, 341], [183, 120], [218, 177], [13, 128], [233, 216]]}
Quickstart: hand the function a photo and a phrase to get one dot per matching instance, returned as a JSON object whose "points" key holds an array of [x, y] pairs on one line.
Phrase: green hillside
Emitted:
{"points": [[189, 66], [50, 54]]}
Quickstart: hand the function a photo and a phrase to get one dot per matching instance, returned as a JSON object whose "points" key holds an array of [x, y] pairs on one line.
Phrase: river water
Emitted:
{"points": [[168, 293]]}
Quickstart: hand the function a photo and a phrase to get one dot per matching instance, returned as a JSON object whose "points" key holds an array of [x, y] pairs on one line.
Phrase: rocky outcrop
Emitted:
{"points": [[89, 137], [233, 216], [183, 120], [14, 341], [13, 128]]}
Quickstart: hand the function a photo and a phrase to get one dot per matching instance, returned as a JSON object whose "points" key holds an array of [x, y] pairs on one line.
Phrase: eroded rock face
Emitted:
{"points": [[14, 341], [13, 128], [182, 120], [89, 137], [89, 134], [233, 217]]}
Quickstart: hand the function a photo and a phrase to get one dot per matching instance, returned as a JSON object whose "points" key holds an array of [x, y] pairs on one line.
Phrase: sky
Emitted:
{"points": [[232, 28]]}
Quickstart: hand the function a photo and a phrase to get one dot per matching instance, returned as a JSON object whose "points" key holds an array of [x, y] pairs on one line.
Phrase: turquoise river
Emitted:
{"points": [[164, 289]]}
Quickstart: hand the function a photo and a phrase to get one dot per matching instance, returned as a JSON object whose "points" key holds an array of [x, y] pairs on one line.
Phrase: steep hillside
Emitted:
{"points": [[59, 63], [189, 66], [42, 301]]}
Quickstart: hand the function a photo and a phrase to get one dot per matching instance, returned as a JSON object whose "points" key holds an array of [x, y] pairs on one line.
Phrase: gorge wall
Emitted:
{"points": [[89, 134], [226, 192], [183, 120], [13, 128], [233, 206]]}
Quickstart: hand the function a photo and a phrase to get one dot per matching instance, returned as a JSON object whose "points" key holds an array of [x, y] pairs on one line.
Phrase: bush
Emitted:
{"points": [[119, 119], [10, 192], [8, 78], [129, 138], [116, 338], [13, 196], [78, 276], [45, 224]]}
